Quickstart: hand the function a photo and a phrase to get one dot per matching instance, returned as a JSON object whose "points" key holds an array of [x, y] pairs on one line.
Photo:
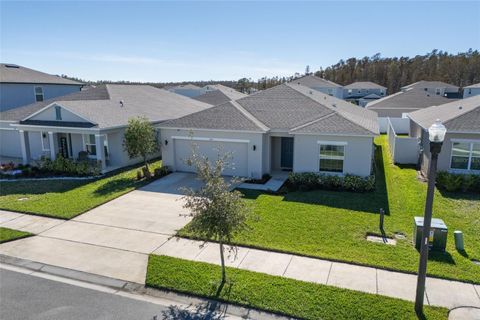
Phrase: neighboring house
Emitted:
{"points": [[397, 105], [93, 120], [218, 94], [470, 91], [319, 84], [362, 102], [20, 86], [288, 127], [360, 89], [461, 148], [187, 90], [438, 88]]}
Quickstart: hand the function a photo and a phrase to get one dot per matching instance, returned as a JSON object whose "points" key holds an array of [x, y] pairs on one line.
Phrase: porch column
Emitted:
{"points": [[51, 142], [25, 146], [99, 144]]}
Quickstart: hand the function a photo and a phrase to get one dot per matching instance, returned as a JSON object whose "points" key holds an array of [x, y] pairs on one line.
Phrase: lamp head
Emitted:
{"points": [[437, 131]]}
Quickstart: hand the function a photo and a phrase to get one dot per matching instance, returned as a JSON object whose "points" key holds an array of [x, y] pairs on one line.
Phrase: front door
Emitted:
{"points": [[63, 147], [286, 156]]}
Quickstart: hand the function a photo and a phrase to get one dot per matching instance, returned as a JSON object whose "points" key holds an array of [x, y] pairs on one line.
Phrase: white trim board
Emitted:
{"points": [[210, 139]]}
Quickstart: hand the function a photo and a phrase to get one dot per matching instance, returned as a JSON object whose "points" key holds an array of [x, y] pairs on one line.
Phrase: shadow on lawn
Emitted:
{"points": [[114, 186], [443, 257], [459, 195], [40, 187]]}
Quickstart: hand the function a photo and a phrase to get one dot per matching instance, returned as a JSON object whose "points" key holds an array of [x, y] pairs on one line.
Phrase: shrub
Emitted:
{"points": [[62, 166], [310, 181], [454, 182], [161, 172], [139, 175]]}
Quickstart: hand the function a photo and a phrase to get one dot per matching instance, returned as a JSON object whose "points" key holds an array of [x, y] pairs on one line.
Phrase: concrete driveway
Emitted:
{"points": [[115, 238]]}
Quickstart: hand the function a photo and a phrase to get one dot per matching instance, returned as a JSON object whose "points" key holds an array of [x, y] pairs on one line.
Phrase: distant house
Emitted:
{"points": [[470, 91], [362, 102], [399, 104], [461, 148], [218, 94], [187, 90], [438, 88], [20, 86], [93, 120], [321, 85], [289, 127], [357, 90]]}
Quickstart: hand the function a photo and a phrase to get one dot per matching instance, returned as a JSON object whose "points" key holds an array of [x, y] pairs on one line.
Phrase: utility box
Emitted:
{"points": [[437, 239]]}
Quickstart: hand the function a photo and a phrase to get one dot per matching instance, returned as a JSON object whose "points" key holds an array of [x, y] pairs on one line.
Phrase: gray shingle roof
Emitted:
{"points": [[225, 116], [138, 100], [475, 85], [11, 73], [312, 81], [219, 94], [458, 116], [364, 85], [409, 100], [285, 107], [431, 85]]}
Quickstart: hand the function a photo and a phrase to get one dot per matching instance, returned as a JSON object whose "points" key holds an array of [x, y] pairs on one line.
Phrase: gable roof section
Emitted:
{"points": [[475, 85], [138, 100], [364, 85], [219, 95], [422, 84], [12, 73], [222, 117], [312, 81], [412, 99], [458, 116]]}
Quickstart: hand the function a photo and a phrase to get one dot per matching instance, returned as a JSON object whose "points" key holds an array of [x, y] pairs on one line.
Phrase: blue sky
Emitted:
{"points": [[176, 41]]}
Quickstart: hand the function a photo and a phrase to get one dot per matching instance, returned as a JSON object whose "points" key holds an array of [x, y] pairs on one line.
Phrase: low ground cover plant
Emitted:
{"points": [[453, 182], [306, 181]]}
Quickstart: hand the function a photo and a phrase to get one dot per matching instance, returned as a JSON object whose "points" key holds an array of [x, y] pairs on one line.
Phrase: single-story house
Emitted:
{"points": [[20, 86], [218, 94], [288, 127], [399, 104], [470, 91], [362, 102], [320, 84], [92, 120], [360, 89], [187, 90], [461, 148], [438, 88]]}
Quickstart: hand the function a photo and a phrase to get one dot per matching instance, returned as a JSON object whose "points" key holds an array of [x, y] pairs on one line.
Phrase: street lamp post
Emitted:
{"points": [[436, 134]]}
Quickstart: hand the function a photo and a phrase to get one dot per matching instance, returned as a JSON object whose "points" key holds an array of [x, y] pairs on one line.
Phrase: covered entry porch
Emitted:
{"points": [[70, 143]]}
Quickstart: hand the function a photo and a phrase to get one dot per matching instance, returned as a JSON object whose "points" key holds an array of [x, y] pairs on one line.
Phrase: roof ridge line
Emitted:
{"points": [[247, 114], [313, 121]]}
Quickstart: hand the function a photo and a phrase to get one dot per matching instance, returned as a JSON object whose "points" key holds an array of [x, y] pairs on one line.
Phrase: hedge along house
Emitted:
{"points": [[461, 147], [93, 120], [289, 127]]}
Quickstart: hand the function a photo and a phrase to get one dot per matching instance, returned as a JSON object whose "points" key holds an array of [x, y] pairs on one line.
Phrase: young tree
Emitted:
{"points": [[140, 139], [217, 213]]}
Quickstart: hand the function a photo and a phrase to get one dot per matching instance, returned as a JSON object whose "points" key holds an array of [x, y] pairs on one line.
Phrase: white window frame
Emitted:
{"points": [[470, 155], [35, 93], [85, 137], [332, 143], [58, 113], [48, 139]]}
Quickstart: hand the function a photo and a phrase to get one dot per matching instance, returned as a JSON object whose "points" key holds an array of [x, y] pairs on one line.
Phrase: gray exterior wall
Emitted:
{"points": [[13, 95], [9, 141], [191, 93], [470, 92], [358, 153], [359, 93], [444, 157], [335, 92]]}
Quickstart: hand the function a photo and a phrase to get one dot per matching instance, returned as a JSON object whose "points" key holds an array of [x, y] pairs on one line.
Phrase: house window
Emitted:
{"points": [[349, 91], [58, 113], [38, 94], [330, 91], [465, 156], [331, 158], [90, 146], [45, 141], [469, 91], [438, 91]]}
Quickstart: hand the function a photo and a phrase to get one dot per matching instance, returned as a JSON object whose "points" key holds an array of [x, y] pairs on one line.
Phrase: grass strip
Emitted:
{"points": [[7, 234]]}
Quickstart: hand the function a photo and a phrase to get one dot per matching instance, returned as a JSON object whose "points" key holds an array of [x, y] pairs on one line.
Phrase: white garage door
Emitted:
{"points": [[238, 151]]}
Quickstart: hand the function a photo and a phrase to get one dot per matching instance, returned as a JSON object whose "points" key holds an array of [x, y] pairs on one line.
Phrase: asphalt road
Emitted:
{"points": [[26, 297]]}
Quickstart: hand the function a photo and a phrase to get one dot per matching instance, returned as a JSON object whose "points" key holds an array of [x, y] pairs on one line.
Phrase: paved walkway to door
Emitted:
{"points": [[114, 240]]}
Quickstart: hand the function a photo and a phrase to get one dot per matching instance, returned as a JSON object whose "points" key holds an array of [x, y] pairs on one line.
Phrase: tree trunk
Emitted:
{"points": [[145, 161], [222, 258]]}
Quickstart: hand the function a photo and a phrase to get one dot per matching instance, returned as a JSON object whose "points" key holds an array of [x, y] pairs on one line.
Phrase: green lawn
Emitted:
{"points": [[276, 294], [68, 198], [7, 234], [333, 225]]}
